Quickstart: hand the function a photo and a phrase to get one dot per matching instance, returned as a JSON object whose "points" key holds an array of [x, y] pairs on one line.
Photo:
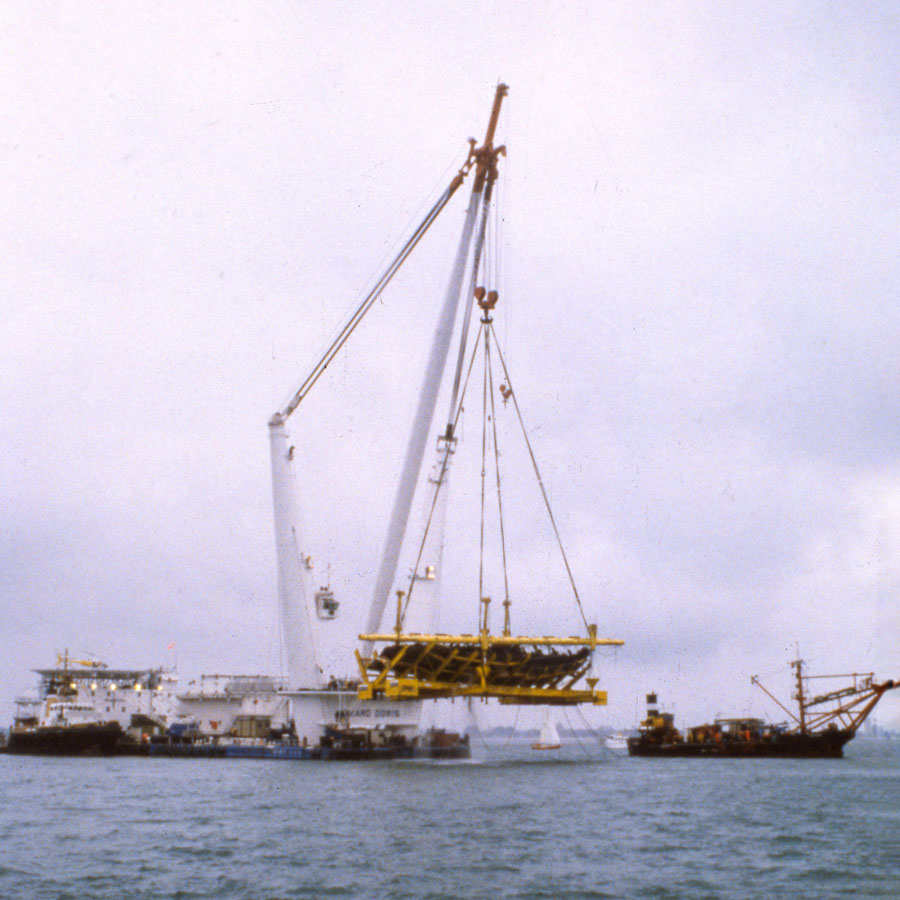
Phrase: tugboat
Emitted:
{"points": [[820, 729]]}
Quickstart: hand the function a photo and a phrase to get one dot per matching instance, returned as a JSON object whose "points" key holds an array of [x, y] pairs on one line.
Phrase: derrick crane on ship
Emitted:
{"points": [[411, 665], [844, 709]]}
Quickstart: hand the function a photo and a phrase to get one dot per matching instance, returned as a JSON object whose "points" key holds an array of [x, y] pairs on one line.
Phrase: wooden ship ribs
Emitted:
{"points": [[511, 669]]}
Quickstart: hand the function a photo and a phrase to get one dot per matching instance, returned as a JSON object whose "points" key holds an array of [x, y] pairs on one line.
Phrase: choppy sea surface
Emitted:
{"points": [[510, 823]]}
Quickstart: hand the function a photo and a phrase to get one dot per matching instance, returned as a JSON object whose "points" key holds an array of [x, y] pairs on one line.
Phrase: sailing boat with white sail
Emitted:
{"points": [[549, 737]]}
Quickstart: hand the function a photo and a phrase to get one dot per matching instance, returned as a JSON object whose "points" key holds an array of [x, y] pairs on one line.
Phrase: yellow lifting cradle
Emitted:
{"points": [[511, 669]]}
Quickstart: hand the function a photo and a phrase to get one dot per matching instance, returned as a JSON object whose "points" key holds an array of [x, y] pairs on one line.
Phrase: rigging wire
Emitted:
{"points": [[477, 252], [590, 727], [538, 476], [440, 482], [392, 249], [607, 751], [578, 741], [490, 371], [512, 731], [491, 332], [484, 417], [370, 298]]}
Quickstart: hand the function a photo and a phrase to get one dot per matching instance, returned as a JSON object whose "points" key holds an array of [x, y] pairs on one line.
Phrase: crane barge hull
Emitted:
{"points": [[110, 740]]}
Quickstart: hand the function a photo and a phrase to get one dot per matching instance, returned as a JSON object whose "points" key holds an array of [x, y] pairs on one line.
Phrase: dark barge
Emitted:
{"points": [[336, 744], [820, 729]]}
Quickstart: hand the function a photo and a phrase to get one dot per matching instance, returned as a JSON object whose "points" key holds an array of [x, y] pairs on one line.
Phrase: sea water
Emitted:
{"points": [[510, 823]]}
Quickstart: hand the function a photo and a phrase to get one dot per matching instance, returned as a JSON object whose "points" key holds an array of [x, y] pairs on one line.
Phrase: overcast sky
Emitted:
{"points": [[698, 265]]}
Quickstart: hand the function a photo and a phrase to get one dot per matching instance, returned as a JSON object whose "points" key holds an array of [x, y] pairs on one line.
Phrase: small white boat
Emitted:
{"points": [[549, 737], [618, 743]]}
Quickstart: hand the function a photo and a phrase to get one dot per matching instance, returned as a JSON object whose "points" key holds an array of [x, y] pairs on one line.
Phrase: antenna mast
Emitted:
{"points": [[800, 696]]}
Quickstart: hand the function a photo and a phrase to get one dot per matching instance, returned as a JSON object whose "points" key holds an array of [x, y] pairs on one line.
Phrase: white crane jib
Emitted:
{"points": [[485, 159], [299, 617]]}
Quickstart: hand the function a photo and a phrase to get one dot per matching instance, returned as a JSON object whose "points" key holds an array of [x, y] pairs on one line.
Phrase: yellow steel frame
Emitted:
{"points": [[511, 669]]}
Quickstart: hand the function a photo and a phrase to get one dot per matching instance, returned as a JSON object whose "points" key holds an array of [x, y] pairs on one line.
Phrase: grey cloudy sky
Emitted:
{"points": [[699, 274]]}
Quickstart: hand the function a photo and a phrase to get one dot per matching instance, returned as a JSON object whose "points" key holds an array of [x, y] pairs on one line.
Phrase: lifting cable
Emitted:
{"points": [[538, 476], [441, 481], [484, 404], [490, 376], [593, 731], [478, 248]]}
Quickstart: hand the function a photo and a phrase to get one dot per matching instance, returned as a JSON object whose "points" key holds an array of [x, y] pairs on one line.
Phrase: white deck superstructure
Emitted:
{"points": [[140, 700], [242, 706]]}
